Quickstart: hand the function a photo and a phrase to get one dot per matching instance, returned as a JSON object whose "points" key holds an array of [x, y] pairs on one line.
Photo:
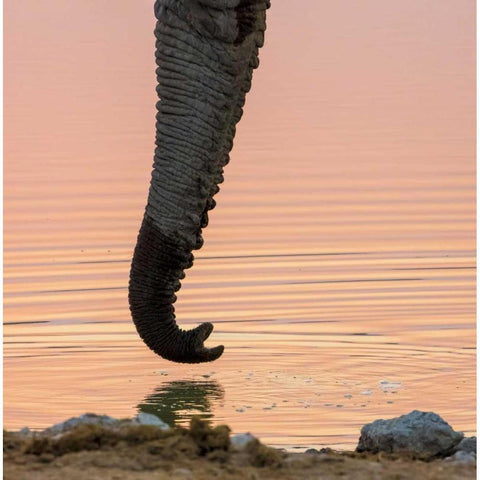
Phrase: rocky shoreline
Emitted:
{"points": [[417, 445]]}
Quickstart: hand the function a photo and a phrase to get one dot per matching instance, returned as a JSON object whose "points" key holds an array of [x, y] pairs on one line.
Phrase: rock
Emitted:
{"points": [[423, 434], [462, 458], [182, 473], [468, 445], [240, 440], [86, 418], [25, 431], [322, 451], [148, 419], [325, 450], [91, 418]]}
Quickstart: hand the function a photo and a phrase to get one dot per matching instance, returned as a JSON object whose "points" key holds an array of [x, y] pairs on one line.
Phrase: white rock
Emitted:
{"points": [[148, 419], [240, 440]]}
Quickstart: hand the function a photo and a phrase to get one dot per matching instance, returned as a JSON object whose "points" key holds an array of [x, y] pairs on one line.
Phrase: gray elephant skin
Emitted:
{"points": [[206, 51]]}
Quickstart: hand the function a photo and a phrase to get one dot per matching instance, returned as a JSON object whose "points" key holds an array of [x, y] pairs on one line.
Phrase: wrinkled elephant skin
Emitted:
{"points": [[206, 51]]}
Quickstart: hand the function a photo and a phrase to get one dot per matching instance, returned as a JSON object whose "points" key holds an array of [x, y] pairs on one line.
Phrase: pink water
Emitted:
{"points": [[341, 253]]}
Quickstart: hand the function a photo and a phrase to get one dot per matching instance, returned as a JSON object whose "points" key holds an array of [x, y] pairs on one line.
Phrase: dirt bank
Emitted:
{"points": [[144, 452]]}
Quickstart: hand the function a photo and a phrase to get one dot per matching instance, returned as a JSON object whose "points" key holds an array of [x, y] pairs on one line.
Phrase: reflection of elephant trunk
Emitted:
{"points": [[206, 51], [178, 401]]}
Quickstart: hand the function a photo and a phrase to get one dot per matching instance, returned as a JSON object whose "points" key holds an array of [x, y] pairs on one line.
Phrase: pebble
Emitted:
{"points": [[183, 473], [462, 458], [468, 444]]}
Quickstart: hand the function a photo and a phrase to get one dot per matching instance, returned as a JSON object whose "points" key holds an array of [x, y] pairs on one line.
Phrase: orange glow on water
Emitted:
{"points": [[341, 252]]}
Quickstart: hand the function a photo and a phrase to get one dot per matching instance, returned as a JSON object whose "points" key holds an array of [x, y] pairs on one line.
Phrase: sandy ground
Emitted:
{"points": [[145, 452]]}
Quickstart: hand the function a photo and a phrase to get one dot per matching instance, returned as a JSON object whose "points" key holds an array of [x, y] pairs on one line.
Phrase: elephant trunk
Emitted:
{"points": [[157, 267], [205, 52]]}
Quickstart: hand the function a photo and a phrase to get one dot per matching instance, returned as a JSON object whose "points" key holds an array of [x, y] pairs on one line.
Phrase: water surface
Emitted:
{"points": [[339, 264]]}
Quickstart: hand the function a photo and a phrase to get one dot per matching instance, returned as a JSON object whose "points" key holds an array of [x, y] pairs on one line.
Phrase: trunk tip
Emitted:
{"points": [[204, 354]]}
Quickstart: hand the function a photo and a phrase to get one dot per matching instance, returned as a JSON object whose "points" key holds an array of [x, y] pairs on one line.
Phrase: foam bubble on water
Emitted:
{"points": [[387, 385]]}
